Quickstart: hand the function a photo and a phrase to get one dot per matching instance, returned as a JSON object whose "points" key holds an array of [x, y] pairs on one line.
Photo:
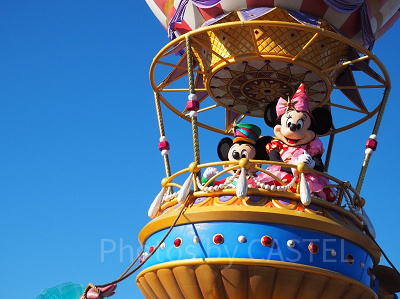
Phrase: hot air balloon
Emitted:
{"points": [[232, 59]]}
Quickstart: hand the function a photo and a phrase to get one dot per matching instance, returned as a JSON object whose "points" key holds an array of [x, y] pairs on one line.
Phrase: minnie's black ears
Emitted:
{"points": [[270, 115], [323, 119]]}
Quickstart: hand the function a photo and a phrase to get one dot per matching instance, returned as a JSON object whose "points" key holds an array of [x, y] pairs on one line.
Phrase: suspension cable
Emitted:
{"points": [[126, 274]]}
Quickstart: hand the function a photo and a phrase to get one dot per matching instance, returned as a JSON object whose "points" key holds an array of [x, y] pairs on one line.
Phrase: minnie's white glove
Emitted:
{"points": [[306, 159]]}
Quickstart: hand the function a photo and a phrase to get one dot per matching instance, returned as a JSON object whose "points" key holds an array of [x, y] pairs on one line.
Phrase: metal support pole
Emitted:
{"points": [[329, 152]]}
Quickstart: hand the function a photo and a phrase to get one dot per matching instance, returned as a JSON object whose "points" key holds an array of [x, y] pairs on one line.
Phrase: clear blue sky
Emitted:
{"points": [[79, 161]]}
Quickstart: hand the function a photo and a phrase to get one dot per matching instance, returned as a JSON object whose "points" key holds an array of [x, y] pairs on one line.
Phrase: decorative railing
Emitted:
{"points": [[347, 200]]}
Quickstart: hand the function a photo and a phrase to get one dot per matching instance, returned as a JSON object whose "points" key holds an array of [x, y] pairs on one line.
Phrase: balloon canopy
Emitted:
{"points": [[364, 22]]}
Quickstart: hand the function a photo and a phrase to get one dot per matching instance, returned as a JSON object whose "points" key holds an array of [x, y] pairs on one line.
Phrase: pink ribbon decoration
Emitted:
{"points": [[298, 103]]}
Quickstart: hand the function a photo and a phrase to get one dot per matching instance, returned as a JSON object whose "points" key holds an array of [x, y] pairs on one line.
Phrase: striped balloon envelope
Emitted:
{"points": [[362, 21]]}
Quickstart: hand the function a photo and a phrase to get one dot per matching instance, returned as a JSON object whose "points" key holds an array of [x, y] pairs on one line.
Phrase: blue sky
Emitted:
{"points": [[79, 161]]}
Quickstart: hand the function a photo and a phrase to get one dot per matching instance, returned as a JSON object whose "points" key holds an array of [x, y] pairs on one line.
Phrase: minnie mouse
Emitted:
{"points": [[246, 144], [295, 128]]}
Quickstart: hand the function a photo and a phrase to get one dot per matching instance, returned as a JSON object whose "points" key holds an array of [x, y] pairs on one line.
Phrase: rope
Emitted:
{"points": [[195, 134], [166, 166], [126, 274], [131, 265], [363, 172], [159, 114], [374, 131], [381, 110], [162, 131], [381, 250], [189, 63], [195, 140]]}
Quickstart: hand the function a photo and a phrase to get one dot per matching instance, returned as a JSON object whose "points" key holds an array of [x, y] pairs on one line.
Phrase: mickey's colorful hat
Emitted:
{"points": [[246, 133]]}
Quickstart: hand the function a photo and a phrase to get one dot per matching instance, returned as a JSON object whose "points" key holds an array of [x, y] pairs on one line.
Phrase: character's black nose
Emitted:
{"points": [[293, 127], [236, 155]]}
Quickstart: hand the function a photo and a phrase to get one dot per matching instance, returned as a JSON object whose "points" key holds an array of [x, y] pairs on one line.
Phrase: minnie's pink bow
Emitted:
{"points": [[298, 103]]}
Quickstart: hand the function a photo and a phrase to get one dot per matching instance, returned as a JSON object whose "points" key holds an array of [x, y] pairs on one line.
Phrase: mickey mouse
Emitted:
{"points": [[295, 128], [246, 144]]}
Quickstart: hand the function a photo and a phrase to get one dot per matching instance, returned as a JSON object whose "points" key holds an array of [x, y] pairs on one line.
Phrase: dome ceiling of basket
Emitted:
{"points": [[269, 62]]}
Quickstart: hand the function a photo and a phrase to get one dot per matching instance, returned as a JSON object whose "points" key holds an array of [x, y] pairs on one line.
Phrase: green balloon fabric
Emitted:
{"points": [[68, 290]]}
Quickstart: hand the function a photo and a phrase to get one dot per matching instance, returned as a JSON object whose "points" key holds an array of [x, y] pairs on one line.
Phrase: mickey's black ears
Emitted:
{"points": [[323, 119], [223, 148], [261, 152], [270, 115]]}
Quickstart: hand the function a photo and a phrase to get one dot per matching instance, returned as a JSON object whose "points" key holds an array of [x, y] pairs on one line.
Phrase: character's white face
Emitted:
{"points": [[294, 128], [239, 151]]}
